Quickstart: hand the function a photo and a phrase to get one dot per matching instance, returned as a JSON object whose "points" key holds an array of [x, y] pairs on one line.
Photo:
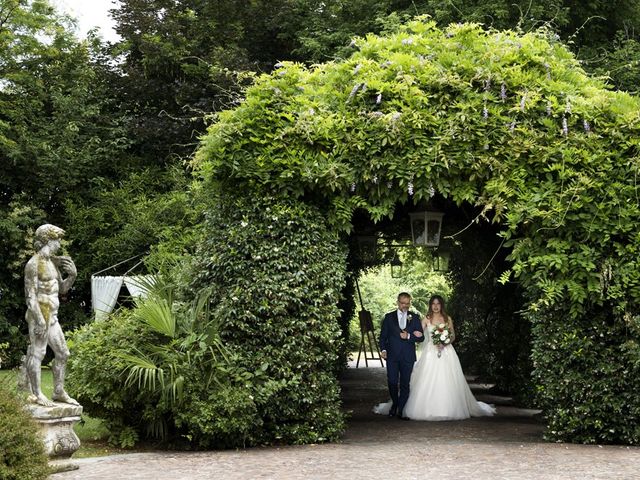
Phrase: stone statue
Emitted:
{"points": [[42, 283]]}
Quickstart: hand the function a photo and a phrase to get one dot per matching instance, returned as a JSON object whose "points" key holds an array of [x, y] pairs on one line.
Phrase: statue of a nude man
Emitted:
{"points": [[42, 283]]}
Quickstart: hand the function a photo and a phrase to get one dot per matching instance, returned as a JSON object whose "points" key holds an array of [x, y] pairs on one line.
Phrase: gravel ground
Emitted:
{"points": [[508, 446]]}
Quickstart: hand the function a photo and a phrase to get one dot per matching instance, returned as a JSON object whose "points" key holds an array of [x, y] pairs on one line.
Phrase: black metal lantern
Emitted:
{"points": [[367, 248], [426, 227], [396, 266], [441, 260]]}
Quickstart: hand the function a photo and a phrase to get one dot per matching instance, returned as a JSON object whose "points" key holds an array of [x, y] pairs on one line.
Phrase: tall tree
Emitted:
{"points": [[185, 59], [57, 133]]}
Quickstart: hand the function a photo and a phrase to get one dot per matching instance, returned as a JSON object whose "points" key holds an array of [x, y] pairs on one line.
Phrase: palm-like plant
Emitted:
{"points": [[187, 342]]}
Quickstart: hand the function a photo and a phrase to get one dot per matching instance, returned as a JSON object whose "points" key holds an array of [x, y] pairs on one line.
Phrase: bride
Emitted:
{"points": [[439, 390]]}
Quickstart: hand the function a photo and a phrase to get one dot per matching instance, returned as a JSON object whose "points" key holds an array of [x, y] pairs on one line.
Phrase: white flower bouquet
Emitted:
{"points": [[441, 337]]}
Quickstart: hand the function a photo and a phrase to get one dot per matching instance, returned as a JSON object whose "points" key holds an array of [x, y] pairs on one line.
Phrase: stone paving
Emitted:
{"points": [[508, 446]]}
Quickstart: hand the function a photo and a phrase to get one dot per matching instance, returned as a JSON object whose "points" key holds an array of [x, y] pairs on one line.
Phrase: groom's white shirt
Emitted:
{"points": [[402, 319]]}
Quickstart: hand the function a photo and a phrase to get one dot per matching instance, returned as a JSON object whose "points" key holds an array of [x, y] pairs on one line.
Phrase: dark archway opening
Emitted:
{"points": [[494, 340]]}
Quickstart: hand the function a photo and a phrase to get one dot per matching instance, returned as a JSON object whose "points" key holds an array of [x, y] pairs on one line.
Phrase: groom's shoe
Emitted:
{"points": [[401, 416], [392, 412]]}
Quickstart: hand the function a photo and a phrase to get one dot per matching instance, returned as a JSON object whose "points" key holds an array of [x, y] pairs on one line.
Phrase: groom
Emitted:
{"points": [[400, 332]]}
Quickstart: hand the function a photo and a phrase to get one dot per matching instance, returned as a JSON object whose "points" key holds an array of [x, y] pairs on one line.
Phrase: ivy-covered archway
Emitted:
{"points": [[506, 122]]}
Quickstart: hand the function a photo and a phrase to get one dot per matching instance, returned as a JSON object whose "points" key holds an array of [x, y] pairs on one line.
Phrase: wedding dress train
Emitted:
{"points": [[439, 390]]}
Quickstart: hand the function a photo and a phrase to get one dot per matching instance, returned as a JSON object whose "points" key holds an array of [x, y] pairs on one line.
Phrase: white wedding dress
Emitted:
{"points": [[439, 390]]}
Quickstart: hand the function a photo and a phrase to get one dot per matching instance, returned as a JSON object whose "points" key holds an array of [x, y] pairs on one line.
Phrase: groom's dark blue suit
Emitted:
{"points": [[401, 355]]}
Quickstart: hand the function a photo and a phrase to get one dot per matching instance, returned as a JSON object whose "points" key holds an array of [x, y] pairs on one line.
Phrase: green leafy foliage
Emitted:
{"points": [[587, 375], [153, 363], [276, 272], [57, 137], [22, 452], [15, 219], [318, 132], [127, 221], [96, 369], [508, 123]]}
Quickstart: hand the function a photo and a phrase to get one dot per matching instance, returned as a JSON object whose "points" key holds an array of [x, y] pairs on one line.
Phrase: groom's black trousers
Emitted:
{"points": [[399, 375]]}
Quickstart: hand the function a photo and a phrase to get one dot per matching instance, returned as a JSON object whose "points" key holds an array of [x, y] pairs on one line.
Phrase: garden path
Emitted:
{"points": [[508, 446]]}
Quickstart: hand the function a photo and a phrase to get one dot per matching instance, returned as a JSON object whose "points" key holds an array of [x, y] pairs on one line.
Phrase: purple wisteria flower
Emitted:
{"points": [[586, 126], [410, 187], [407, 41], [565, 126], [485, 112], [353, 43], [389, 184], [567, 108], [512, 126], [378, 99], [523, 101], [431, 190], [503, 92], [375, 179], [548, 109], [487, 85], [354, 90], [353, 187], [357, 68]]}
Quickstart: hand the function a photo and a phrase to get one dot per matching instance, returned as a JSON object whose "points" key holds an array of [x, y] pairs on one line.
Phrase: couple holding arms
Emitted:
{"points": [[434, 387]]}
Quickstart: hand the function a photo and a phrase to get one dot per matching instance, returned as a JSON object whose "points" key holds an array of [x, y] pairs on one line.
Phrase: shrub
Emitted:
{"points": [[159, 370], [508, 123], [588, 377], [141, 369], [22, 454], [276, 273], [95, 373], [222, 418]]}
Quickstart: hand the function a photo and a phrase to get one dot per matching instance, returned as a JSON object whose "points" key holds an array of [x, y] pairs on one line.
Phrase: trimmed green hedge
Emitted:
{"points": [[588, 377], [276, 273]]}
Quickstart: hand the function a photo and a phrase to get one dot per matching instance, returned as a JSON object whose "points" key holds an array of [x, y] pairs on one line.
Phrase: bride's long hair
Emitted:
{"points": [[442, 309]]}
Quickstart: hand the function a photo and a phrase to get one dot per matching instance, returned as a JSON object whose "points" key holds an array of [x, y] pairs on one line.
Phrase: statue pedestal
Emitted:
{"points": [[56, 427]]}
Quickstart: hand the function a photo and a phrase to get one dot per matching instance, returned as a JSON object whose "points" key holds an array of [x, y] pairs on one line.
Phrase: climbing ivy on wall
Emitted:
{"points": [[509, 123]]}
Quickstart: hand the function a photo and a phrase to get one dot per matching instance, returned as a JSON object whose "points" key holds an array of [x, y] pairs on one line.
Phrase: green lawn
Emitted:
{"points": [[91, 431]]}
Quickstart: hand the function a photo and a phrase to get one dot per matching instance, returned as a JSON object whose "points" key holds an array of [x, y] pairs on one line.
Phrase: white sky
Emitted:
{"points": [[90, 13]]}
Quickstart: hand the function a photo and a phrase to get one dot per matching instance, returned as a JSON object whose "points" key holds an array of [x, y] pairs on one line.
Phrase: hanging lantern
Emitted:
{"points": [[425, 228], [367, 248], [396, 266], [441, 260]]}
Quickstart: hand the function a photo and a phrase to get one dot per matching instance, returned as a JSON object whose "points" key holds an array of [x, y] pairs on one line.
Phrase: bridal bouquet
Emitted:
{"points": [[441, 337]]}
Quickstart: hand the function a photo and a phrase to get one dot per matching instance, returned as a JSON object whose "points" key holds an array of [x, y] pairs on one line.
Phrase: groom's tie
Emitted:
{"points": [[403, 320]]}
